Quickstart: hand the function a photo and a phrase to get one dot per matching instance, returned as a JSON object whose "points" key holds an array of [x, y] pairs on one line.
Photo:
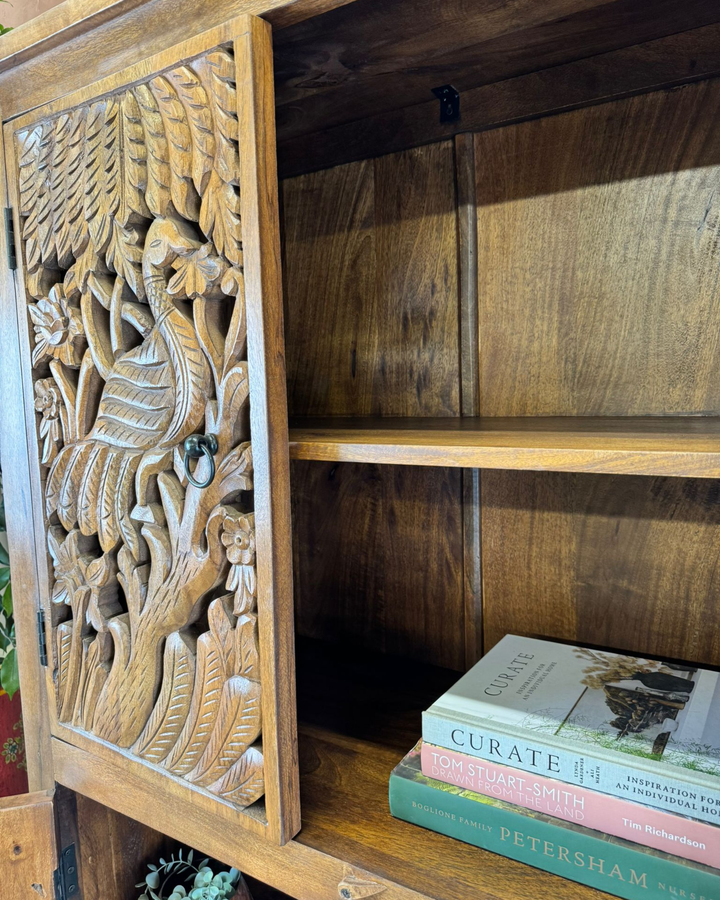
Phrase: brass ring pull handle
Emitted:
{"points": [[197, 446]]}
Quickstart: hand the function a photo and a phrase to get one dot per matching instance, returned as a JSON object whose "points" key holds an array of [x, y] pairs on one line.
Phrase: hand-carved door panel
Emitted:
{"points": [[146, 216]]}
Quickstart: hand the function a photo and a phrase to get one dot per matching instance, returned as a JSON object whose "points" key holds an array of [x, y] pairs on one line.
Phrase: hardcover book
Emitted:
{"points": [[563, 848], [675, 834], [635, 728]]}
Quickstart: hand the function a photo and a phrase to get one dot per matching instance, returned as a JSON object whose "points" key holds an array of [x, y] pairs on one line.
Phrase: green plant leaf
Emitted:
{"points": [[9, 678], [7, 601], [4, 578], [4, 556], [153, 880]]}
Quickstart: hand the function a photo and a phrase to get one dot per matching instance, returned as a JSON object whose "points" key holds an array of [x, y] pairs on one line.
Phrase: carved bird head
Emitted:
{"points": [[168, 239]]}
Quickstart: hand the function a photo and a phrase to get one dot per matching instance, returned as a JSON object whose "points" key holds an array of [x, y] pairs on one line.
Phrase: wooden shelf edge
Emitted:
{"points": [[666, 447]]}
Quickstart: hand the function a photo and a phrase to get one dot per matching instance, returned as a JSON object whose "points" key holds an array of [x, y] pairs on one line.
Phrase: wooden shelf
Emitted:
{"points": [[682, 446], [360, 714]]}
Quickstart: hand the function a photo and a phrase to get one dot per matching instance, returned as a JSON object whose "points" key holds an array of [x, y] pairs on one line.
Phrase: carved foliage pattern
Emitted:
{"points": [[134, 271]]}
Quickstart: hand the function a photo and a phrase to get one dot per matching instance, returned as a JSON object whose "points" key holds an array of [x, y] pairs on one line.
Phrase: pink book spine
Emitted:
{"points": [[654, 828]]}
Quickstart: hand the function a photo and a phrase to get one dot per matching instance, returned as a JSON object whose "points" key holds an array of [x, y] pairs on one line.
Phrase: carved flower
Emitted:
{"points": [[198, 274], [47, 400], [238, 538], [70, 565], [58, 329]]}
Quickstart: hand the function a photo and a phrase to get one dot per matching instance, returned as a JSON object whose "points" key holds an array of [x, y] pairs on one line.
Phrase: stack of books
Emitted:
{"points": [[599, 767]]}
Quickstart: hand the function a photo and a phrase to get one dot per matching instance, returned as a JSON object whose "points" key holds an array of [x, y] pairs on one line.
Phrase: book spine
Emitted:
{"points": [[538, 755], [688, 838], [576, 855]]}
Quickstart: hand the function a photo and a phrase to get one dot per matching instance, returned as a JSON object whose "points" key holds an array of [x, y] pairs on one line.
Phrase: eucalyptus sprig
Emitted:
{"points": [[181, 879]]}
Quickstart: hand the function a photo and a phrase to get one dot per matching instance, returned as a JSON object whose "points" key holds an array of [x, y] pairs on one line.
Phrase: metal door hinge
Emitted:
{"points": [[449, 102], [67, 886], [10, 238], [42, 643]]}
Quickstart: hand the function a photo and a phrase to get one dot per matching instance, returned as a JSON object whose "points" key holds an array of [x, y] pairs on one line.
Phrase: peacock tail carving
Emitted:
{"points": [[134, 271]]}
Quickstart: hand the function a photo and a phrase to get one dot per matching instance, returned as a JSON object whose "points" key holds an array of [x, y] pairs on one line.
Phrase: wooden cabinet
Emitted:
{"points": [[501, 381]]}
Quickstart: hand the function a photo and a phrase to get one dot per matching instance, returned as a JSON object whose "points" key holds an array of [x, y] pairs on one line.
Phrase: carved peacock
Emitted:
{"points": [[133, 256]]}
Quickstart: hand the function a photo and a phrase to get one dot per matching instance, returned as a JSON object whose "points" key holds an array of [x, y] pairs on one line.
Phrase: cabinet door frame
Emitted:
{"points": [[251, 41]]}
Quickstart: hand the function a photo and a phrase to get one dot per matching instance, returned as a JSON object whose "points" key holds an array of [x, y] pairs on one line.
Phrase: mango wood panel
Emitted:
{"points": [[378, 558], [113, 851], [653, 65], [28, 853], [598, 259], [370, 262], [624, 562], [372, 57]]}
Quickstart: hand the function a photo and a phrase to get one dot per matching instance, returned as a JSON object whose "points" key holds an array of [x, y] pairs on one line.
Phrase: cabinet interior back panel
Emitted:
{"points": [[370, 267], [598, 259], [616, 561]]}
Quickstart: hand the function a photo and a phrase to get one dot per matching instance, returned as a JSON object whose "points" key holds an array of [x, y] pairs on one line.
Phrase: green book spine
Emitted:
{"points": [[579, 854]]}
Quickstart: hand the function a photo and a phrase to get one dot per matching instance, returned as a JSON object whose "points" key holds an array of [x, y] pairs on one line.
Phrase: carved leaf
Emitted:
{"points": [[58, 189], [123, 500], [108, 527], [64, 642], [157, 194], [68, 498], [135, 159], [221, 625], [55, 479], [74, 213], [100, 186], [244, 782], [95, 673], [35, 194], [180, 147], [237, 726], [124, 256], [171, 709], [89, 489], [246, 640], [194, 98], [29, 149], [203, 708], [220, 218], [218, 71]]}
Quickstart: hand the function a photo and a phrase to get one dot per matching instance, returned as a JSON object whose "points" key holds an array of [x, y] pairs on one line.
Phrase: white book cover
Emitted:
{"points": [[606, 703]]}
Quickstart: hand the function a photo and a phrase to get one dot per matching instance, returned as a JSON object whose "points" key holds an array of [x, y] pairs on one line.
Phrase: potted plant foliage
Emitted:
{"points": [[3, 28], [182, 879]]}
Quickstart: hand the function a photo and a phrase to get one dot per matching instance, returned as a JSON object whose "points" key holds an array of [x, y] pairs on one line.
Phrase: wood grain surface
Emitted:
{"points": [[664, 62], [643, 445], [378, 558], [28, 850], [623, 562], [370, 262], [597, 260], [371, 57]]}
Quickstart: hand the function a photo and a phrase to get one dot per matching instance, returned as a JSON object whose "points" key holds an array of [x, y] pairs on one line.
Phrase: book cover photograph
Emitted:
{"points": [[618, 703]]}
